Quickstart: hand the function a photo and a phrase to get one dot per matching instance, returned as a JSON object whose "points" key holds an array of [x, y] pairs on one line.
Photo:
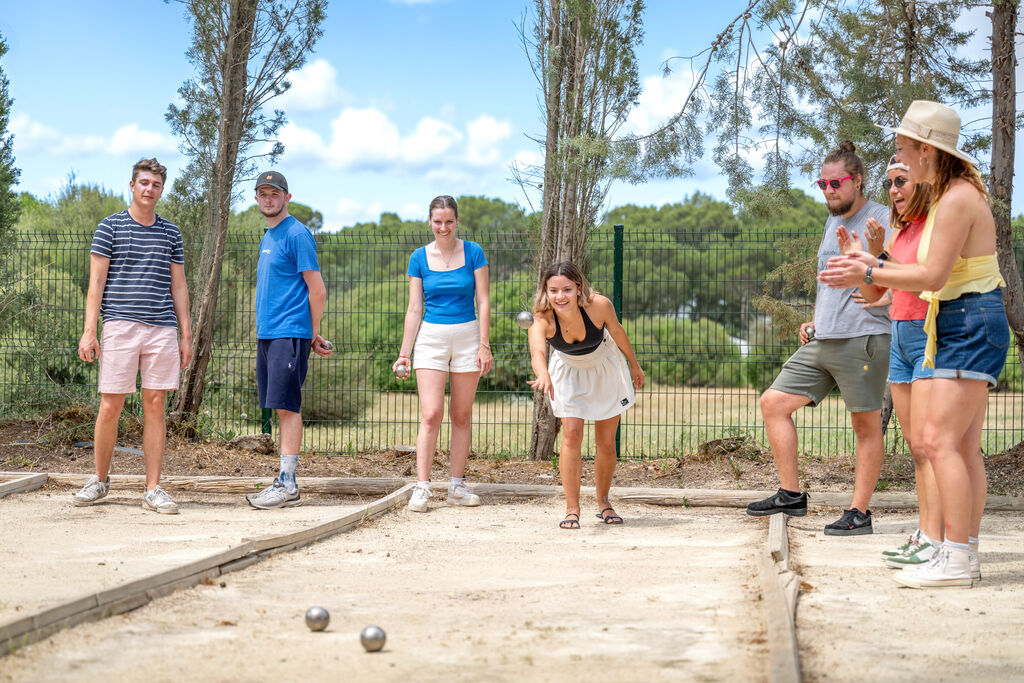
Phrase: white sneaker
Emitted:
{"points": [[948, 568], [975, 565], [93, 490], [912, 540], [420, 496], [158, 501], [461, 495], [274, 496]]}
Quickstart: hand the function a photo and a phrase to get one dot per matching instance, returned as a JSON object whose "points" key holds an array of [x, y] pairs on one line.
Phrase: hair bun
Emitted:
{"points": [[847, 146]]}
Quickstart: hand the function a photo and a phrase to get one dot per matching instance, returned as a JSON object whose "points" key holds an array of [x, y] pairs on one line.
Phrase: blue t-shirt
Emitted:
{"points": [[448, 294], [282, 297], [138, 286]]}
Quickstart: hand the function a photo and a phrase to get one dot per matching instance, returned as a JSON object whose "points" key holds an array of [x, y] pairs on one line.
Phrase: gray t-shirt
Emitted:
{"points": [[836, 314]]}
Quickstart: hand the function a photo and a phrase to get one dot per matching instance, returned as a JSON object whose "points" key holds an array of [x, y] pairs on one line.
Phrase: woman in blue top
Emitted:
{"points": [[444, 277]]}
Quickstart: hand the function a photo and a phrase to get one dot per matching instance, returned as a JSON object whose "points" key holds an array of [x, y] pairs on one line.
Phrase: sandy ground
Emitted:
{"points": [[492, 593], [854, 623], [52, 551]]}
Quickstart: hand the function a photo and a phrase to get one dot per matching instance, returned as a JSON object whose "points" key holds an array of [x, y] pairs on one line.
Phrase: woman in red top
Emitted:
{"points": [[910, 203]]}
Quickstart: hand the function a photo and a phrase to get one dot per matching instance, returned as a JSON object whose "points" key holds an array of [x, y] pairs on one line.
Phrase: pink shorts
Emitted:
{"points": [[127, 347]]}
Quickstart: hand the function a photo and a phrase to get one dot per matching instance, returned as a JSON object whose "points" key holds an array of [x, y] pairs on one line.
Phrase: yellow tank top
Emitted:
{"points": [[975, 274]]}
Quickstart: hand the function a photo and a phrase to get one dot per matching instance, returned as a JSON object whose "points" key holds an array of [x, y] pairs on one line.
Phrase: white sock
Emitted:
{"points": [[962, 547], [973, 542], [424, 484], [287, 473], [455, 482]]}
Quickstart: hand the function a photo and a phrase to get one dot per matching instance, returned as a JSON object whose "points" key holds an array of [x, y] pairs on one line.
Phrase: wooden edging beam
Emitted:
{"points": [[22, 484], [779, 589], [134, 594], [384, 485]]}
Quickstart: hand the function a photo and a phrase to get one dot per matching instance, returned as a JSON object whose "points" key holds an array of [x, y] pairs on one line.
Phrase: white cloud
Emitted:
{"points": [[485, 135], [348, 212], [128, 141], [660, 98], [368, 140], [314, 88]]}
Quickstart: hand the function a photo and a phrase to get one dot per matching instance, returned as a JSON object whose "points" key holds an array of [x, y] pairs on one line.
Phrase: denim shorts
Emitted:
{"points": [[973, 337], [906, 356], [281, 366]]}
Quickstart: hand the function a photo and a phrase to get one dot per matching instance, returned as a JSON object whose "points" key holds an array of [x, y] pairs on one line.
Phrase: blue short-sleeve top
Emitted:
{"points": [[448, 294]]}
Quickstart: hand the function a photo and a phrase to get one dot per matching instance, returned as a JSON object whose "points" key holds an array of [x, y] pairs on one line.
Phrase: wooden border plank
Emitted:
{"points": [[25, 483], [784, 657]]}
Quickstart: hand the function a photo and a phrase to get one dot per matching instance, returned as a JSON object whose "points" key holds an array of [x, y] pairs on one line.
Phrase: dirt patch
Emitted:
{"points": [[729, 463], [558, 605]]}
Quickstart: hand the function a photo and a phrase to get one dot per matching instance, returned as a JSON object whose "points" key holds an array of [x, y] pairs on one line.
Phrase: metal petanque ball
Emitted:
{"points": [[402, 371], [524, 319], [373, 638], [327, 345], [317, 618]]}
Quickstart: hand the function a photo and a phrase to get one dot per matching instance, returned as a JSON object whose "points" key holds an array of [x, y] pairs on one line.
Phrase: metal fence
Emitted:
{"points": [[687, 302]]}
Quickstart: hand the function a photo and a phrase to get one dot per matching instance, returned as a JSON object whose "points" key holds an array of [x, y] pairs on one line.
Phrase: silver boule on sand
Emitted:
{"points": [[373, 638]]}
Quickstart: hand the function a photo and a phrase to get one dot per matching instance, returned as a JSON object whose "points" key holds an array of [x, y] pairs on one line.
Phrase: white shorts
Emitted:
{"points": [[450, 348]]}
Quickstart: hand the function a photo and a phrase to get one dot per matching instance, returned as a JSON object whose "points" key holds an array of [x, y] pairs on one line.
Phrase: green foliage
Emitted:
{"points": [[10, 206], [681, 352]]}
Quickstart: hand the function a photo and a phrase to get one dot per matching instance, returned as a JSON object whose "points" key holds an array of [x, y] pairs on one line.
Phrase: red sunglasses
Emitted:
{"points": [[834, 182]]}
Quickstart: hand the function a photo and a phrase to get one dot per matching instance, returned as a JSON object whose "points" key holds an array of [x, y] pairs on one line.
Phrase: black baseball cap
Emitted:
{"points": [[274, 179]]}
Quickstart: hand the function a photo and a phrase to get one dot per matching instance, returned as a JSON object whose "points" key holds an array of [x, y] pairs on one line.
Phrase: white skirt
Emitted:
{"points": [[595, 386]]}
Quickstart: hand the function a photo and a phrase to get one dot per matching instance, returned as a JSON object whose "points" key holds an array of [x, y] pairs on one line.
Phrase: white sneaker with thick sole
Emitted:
{"points": [[420, 496], [461, 495], [93, 490], [158, 501], [947, 569], [274, 496], [975, 566], [915, 556]]}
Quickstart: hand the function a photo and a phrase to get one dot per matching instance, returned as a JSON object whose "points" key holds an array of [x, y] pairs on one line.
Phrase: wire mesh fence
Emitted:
{"points": [[687, 301]]}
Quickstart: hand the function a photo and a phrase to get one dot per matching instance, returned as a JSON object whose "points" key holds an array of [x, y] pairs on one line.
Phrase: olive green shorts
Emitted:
{"points": [[858, 365]]}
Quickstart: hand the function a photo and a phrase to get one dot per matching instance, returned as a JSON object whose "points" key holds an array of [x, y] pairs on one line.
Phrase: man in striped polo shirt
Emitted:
{"points": [[137, 284]]}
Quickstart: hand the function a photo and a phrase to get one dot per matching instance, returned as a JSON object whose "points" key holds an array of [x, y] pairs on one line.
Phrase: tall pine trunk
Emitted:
{"points": [[1004, 114], [233, 68]]}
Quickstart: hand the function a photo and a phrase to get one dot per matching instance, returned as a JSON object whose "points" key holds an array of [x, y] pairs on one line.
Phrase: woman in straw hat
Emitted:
{"points": [[968, 337]]}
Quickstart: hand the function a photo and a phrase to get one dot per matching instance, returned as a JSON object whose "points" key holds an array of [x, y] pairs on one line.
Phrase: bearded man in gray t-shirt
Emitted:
{"points": [[846, 346]]}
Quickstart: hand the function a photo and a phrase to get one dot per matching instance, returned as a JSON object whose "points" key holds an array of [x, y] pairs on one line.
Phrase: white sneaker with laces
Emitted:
{"points": [[916, 555], [158, 501], [93, 490], [975, 565], [912, 540], [274, 496], [420, 496], [947, 568], [461, 495]]}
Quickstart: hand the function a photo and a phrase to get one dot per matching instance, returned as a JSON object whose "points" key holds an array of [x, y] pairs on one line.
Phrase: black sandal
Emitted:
{"points": [[570, 523], [610, 519]]}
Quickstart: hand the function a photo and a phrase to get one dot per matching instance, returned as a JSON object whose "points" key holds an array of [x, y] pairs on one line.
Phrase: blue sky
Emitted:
{"points": [[403, 99]]}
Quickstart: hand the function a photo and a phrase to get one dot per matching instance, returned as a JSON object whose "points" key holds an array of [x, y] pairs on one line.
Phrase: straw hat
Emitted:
{"points": [[933, 124]]}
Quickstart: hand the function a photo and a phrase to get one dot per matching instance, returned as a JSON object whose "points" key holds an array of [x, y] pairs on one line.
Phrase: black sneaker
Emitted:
{"points": [[780, 502], [852, 523]]}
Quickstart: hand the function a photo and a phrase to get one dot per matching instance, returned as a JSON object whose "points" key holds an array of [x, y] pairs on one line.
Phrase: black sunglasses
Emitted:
{"points": [[899, 182]]}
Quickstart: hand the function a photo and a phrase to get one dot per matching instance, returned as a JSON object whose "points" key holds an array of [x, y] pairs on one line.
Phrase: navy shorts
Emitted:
{"points": [[973, 337], [281, 366], [906, 357]]}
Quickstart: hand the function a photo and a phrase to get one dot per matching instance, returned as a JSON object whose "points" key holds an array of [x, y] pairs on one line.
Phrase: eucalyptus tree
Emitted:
{"points": [[10, 207], [243, 51]]}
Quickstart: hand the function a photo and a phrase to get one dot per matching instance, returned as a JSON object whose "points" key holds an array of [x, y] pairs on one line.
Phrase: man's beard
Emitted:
{"points": [[836, 209], [272, 215]]}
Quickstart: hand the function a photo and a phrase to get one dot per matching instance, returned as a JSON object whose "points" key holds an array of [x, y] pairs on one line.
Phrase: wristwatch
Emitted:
{"points": [[867, 276]]}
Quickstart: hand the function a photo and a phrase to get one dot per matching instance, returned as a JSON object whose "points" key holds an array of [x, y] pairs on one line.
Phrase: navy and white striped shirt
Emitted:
{"points": [[139, 277]]}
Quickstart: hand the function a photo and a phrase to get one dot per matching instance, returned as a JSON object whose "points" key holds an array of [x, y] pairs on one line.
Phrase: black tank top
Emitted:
{"points": [[591, 340]]}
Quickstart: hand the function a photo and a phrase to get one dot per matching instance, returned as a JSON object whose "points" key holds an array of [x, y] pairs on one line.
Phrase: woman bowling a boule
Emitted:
{"points": [[446, 278], [591, 375]]}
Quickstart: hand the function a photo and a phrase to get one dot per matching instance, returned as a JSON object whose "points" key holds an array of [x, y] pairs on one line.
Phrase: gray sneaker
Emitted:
{"points": [[158, 501], [93, 490], [274, 496]]}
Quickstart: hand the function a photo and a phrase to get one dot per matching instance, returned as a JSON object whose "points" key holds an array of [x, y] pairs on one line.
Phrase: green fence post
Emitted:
{"points": [[617, 302], [266, 421]]}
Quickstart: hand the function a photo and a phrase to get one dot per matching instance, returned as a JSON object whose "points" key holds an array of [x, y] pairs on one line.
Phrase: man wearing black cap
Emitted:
{"points": [[290, 298]]}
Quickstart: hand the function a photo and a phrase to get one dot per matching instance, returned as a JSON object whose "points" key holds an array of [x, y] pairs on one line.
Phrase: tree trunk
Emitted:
{"points": [[1004, 113], [234, 77]]}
